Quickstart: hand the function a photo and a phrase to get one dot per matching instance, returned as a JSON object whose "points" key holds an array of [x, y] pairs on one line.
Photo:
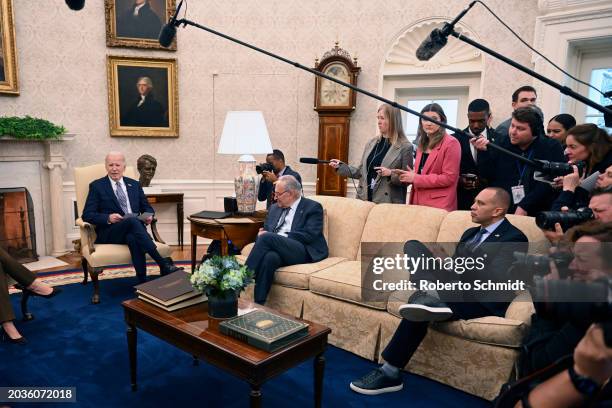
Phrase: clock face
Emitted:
{"points": [[331, 93]]}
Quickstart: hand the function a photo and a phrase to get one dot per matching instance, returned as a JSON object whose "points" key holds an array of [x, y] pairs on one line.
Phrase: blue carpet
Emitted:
{"points": [[75, 344]]}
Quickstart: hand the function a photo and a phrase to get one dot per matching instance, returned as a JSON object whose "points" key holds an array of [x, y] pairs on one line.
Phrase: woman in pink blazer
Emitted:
{"points": [[436, 173]]}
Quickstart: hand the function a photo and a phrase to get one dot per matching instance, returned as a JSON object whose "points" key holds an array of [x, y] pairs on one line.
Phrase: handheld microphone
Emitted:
{"points": [[437, 39], [313, 160], [75, 4], [168, 31]]}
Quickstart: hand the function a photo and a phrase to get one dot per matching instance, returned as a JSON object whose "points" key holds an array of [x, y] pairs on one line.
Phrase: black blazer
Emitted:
{"points": [[266, 188], [502, 170], [465, 198], [499, 258], [102, 201], [306, 228]]}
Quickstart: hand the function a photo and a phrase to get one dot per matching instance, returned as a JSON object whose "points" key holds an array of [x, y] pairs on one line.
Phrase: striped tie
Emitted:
{"points": [[282, 219], [122, 198]]}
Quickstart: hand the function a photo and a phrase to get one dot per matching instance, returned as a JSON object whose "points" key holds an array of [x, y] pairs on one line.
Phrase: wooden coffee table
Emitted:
{"points": [[191, 330]]}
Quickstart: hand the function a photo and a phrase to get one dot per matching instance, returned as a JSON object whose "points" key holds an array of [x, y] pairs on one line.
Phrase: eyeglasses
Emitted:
{"points": [[277, 194]]}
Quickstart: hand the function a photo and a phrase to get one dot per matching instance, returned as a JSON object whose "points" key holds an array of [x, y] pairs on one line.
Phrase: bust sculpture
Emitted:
{"points": [[146, 165]]}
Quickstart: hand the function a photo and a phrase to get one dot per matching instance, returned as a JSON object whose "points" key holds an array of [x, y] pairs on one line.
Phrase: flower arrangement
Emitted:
{"points": [[220, 276]]}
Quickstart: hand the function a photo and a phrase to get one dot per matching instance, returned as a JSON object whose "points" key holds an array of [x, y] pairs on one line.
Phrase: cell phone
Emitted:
{"points": [[470, 176]]}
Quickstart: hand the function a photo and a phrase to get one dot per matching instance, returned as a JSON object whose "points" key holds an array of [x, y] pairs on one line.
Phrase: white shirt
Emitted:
{"points": [[473, 148], [123, 187], [284, 231], [137, 9], [489, 230]]}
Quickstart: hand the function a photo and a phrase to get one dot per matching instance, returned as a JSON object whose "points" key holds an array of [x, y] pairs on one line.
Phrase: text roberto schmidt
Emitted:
{"points": [[400, 264]]}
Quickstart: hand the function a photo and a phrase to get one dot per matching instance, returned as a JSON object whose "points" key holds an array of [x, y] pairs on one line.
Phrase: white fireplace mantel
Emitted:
{"points": [[17, 153]]}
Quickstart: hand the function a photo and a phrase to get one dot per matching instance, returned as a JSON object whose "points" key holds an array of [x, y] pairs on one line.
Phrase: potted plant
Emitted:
{"points": [[221, 278]]}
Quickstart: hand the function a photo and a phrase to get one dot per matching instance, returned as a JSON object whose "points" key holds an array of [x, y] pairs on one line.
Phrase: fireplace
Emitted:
{"points": [[17, 224]]}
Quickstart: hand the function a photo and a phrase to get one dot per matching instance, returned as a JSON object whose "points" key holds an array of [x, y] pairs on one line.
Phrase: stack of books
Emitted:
{"points": [[265, 330], [170, 292]]}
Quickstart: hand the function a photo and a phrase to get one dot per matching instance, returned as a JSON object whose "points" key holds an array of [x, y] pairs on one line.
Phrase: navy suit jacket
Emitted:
{"points": [[499, 258], [266, 188], [102, 201], [306, 228]]}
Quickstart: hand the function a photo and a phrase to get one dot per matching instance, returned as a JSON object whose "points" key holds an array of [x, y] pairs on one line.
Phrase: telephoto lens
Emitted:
{"points": [[567, 219]]}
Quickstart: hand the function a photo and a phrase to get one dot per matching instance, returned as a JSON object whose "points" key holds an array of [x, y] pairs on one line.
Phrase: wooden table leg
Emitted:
{"points": [[179, 218], [319, 367], [224, 246], [255, 396], [131, 339], [194, 243]]}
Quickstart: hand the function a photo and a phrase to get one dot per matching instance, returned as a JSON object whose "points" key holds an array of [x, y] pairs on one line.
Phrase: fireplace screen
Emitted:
{"points": [[17, 228]]}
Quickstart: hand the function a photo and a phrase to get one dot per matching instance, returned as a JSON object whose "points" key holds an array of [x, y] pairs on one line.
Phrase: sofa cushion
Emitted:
{"points": [[400, 223], [346, 218], [342, 281], [298, 276]]}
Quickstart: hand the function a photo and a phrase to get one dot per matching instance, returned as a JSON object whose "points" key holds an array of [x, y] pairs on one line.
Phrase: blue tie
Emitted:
{"points": [[122, 198], [473, 243]]}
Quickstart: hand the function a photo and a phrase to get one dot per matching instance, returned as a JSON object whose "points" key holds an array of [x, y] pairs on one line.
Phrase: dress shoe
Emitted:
{"points": [[54, 292], [422, 307], [21, 341], [168, 267]]}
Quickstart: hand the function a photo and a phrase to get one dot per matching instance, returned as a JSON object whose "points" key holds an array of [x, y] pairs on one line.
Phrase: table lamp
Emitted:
{"points": [[245, 133]]}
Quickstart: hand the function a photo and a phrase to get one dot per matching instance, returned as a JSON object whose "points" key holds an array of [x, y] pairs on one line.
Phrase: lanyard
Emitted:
{"points": [[521, 169]]}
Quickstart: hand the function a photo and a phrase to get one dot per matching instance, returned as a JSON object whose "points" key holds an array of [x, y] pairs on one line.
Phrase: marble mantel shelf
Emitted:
{"points": [[54, 163]]}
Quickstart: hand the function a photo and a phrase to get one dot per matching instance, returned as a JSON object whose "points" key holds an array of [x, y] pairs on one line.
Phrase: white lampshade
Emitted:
{"points": [[245, 133]]}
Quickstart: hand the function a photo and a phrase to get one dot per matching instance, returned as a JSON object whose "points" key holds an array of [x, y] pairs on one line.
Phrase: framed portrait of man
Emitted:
{"points": [[8, 51], [137, 23], [142, 96]]}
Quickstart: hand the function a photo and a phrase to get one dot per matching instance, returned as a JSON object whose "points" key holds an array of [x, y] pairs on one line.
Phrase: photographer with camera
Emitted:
{"points": [[271, 171], [553, 223], [570, 297], [592, 146]]}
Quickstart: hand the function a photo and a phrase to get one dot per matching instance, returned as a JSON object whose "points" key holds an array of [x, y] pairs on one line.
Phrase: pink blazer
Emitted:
{"points": [[436, 186]]}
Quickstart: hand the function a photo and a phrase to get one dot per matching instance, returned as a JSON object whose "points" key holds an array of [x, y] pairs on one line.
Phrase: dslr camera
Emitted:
{"points": [[567, 219], [529, 266], [261, 167]]}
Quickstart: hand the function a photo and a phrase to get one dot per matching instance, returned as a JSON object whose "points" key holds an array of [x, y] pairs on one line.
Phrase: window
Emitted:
{"points": [[601, 79], [449, 106]]}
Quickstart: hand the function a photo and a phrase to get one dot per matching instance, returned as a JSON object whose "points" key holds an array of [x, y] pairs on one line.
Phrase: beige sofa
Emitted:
{"points": [[476, 356]]}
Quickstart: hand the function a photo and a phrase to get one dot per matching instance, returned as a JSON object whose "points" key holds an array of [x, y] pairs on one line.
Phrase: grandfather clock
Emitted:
{"points": [[335, 103]]}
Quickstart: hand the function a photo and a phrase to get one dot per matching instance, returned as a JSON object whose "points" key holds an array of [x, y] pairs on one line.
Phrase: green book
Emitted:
{"points": [[265, 330]]}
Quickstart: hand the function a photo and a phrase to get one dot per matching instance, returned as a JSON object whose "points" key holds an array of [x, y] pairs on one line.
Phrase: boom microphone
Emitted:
{"points": [[75, 4], [437, 39], [313, 160], [168, 31]]}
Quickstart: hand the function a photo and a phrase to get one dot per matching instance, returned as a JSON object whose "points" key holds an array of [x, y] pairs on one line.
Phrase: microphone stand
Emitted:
{"points": [[563, 89], [186, 22]]}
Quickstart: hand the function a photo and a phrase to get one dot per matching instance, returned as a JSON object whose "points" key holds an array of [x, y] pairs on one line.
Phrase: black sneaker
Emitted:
{"points": [[422, 307], [376, 382]]}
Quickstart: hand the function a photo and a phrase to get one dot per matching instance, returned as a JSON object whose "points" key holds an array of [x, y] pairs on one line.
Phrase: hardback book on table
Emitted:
{"points": [[265, 330], [168, 290], [200, 298]]}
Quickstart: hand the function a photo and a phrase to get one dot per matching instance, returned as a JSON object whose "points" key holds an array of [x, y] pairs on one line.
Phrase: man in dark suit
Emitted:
{"points": [[470, 183], [139, 21], [489, 210], [523, 97], [527, 139], [292, 234], [113, 205], [145, 111], [268, 178]]}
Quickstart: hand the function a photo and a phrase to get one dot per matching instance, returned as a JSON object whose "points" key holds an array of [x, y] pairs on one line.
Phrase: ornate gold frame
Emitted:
{"points": [[10, 85], [111, 30], [170, 64]]}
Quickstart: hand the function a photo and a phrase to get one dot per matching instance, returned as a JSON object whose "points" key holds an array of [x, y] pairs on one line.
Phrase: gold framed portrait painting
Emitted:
{"points": [[137, 23], [8, 51], [142, 96]]}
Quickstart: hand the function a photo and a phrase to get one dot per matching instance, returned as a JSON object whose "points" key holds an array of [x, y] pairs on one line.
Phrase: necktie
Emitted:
{"points": [[473, 243], [122, 198], [281, 219]]}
